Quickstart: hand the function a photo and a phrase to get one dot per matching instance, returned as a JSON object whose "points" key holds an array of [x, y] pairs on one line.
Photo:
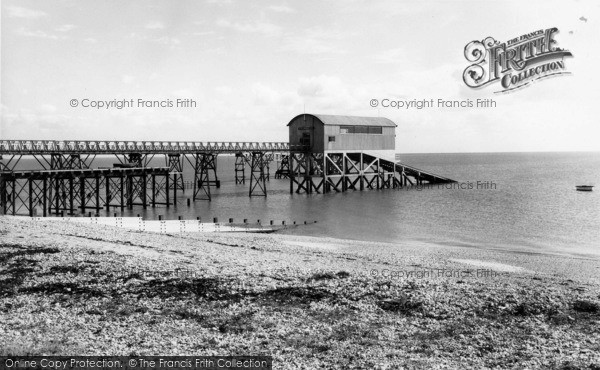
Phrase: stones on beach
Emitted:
{"points": [[106, 291]]}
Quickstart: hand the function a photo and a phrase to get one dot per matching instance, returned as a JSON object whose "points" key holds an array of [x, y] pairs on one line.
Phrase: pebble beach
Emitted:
{"points": [[73, 289]]}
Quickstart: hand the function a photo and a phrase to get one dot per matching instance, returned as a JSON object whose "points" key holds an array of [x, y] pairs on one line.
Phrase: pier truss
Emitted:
{"points": [[339, 172], [259, 167], [259, 164], [79, 190], [240, 168], [283, 171], [308, 172], [203, 165], [175, 164], [201, 156]]}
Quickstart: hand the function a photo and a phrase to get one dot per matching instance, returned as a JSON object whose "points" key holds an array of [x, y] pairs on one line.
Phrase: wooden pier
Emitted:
{"points": [[201, 156], [339, 172], [340, 153], [77, 191], [324, 154]]}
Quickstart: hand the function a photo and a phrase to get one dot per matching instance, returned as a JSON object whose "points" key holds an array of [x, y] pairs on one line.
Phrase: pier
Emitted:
{"points": [[79, 190], [341, 153], [324, 154], [201, 156]]}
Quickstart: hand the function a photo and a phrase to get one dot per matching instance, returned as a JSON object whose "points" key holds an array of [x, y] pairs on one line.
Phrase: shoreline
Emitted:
{"points": [[584, 267], [307, 301]]}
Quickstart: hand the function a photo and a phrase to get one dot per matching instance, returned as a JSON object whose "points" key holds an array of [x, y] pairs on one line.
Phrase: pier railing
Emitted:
{"points": [[41, 147]]}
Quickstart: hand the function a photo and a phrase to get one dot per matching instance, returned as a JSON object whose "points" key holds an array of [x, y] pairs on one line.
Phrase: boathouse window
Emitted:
{"points": [[373, 130], [305, 139], [332, 139]]}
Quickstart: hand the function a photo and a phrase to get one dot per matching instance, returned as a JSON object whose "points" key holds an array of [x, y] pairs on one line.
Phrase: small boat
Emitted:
{"points": [[584, 187]]}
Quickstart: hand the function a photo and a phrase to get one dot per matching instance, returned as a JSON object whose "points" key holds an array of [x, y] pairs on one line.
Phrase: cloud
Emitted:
{"points": [[19, 12], [185, 93], [219, 2], [329, 94], [317, 85], [264, 28], [166, 40], [282, 9], [66, 28], [38, 33], [127, 79], [43, 121], [155, 26], [203, 33], [265, 95], [47, 108], [224, 90], [391, 56], [314, 41]]}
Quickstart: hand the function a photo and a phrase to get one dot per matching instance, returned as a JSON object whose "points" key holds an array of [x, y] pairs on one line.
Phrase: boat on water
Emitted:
{"points": [[584, 187]]}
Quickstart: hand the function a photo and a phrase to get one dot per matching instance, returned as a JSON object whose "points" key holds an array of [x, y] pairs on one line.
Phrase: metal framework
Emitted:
{"points": [[258, 164], [69, 161], [240, 168], [175, 165], [267, 159], [77, 154], [46, 147], [308, 172], [72, 191], [283, 171], [339, 172], [205, 162]]}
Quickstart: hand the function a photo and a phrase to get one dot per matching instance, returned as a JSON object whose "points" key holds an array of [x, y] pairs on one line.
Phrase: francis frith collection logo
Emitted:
{"points": [[515, 63]]}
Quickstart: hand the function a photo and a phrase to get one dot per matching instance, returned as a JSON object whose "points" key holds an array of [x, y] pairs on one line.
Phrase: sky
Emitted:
{"points": [[251, 66]]}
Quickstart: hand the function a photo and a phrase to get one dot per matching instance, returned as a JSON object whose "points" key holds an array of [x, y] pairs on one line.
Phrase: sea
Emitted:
{"points": [[512, 201]]}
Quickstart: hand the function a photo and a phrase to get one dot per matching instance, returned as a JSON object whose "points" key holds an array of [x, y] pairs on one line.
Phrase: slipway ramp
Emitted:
{"points": [[412, 175]]}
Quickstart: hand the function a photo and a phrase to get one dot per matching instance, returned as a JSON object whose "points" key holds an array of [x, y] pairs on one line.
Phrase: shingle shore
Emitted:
{"points": [[311, 303]]}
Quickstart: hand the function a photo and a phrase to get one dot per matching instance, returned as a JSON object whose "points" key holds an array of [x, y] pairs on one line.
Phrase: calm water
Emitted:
{"points": [[534, 206]]}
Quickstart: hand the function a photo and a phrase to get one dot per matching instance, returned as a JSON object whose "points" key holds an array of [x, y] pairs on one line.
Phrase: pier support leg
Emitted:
{"points": [[258, 185], [82, 195], [71, 196], [45, 197], [30, 181], [240, 168], [108, 197], [153, 191], [307, 172], [205, 162], [175, 164], [174, 193], [283, 171], [97, 192], [144, 192], [122, 192], [167, 190], [56, 196]]}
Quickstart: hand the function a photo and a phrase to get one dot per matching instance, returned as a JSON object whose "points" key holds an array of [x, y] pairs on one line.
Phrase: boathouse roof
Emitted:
{"points": [[332, 120]]}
